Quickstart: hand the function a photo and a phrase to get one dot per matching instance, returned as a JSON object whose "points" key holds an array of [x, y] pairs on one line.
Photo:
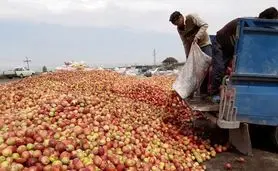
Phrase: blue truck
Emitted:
{"points": [[250, 94]]}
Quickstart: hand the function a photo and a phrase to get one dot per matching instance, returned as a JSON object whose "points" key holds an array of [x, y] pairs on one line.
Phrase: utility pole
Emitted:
{"points": [[154, 57], [27, 61]]}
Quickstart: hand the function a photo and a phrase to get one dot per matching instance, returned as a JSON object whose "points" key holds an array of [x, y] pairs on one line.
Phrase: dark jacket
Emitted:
{"points": [[226, 36]]}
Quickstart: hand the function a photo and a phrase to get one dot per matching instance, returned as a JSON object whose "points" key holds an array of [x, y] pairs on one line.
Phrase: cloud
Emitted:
{"points": [[105, 31], [151, 15]]}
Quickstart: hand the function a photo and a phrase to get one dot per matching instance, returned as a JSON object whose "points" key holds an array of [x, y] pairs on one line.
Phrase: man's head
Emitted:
{"points": [[269, 13], [177, 19]]}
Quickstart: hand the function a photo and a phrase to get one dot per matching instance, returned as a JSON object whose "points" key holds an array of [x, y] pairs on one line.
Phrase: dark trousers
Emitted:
{"points": [[204, 86], [220, 63]]}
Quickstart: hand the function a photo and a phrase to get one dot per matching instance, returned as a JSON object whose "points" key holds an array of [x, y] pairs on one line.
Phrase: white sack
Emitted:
{"points": [[193, 72]]}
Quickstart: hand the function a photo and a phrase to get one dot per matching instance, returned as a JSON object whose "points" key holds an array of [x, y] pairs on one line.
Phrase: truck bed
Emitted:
{"points": [[202, 105]]}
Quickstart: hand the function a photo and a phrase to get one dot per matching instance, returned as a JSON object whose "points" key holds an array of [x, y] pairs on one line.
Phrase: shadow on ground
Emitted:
{"points": [[265, 156]]}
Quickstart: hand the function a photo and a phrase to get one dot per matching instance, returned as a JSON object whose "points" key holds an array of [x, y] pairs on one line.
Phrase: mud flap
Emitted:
{"points": [[241, 140]]}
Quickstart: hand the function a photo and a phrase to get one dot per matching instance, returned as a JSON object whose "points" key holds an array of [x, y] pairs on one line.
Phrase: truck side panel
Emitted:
{"points": [[255, 74], [257, 103]]}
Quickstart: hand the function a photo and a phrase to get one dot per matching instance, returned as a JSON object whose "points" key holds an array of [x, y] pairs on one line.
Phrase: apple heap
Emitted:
{"points": [[97, 120]]}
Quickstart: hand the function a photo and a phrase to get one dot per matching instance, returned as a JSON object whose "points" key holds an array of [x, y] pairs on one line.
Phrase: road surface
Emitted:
{"points": [[2, 81]]}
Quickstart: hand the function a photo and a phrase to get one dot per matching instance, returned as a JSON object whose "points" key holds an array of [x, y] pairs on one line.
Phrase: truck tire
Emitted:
{"points": [[148, 74], [21, 76], [274, 136]]}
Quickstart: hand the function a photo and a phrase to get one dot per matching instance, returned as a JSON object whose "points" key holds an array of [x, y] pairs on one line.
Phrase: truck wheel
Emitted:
{"points": [[274, 136], [21, 75], [148, 74]]}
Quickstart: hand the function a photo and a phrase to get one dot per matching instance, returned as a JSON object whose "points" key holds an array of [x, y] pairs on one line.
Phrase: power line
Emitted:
{"points": [[27, 61], [154, 57]]}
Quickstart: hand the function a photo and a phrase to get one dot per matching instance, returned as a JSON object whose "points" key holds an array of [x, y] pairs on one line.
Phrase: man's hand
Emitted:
{"points": [[195, 40]]}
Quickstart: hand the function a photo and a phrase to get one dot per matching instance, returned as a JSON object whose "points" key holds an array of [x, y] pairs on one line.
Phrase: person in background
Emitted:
{"points": [[269, 13], [224, 50], [191, 28]]}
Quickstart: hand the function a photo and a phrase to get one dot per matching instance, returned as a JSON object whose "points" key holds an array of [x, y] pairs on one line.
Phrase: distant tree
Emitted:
{"points": [[169, 60], [44, 69]]}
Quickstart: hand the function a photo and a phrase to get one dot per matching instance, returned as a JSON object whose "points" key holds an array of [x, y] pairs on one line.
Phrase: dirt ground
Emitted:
{"points": [[265, 157], [260, 161]]}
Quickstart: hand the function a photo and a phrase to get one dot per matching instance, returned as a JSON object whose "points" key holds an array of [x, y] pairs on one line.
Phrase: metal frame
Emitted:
{"points": [[227, 110]]}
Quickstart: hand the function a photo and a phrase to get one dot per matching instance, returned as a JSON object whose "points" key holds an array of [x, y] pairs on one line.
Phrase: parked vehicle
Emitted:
{"points": [[18, 72]]}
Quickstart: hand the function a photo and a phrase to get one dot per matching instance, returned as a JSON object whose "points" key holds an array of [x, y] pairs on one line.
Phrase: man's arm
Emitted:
{"points": [[185, 46], [200, 23]]}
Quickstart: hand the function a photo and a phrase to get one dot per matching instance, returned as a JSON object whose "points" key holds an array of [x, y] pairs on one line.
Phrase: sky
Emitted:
{"points": [[105, 32]]}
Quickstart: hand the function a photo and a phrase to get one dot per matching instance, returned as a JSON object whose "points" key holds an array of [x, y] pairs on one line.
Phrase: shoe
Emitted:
{"points": [[215, 99]]}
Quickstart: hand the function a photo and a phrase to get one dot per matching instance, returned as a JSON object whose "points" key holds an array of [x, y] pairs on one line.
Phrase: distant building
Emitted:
{"points": [[169, 61]]}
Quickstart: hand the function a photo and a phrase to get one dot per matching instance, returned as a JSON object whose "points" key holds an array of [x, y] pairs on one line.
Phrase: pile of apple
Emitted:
{"points": [[97, 120]]}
